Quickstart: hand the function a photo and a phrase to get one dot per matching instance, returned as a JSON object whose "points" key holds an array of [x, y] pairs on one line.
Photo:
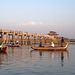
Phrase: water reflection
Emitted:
{"points": [[40, 53], [14, 55], [62, 59], [50, 55], [26, 55], [2, 59]]}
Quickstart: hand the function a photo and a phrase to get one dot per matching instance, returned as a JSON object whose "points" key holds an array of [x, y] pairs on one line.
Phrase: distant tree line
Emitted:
{"points": [[72, 40]]}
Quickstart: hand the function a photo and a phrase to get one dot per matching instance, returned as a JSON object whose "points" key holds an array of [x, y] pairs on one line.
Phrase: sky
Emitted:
{"points": [[39, 16]]}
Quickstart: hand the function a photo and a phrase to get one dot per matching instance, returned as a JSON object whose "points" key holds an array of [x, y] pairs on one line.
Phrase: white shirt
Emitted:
{"points": [[52, 44]]}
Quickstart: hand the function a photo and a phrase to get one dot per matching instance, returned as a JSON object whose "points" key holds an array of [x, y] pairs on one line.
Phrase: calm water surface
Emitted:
{"points": [[25, 61]]}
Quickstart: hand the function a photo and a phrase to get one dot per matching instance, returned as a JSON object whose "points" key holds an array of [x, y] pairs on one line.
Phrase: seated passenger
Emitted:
{"points": [[52, 44], [40, 44]]}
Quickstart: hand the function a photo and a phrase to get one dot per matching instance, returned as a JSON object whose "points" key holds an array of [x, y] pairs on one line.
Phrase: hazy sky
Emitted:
{"points": [[39, 16]]}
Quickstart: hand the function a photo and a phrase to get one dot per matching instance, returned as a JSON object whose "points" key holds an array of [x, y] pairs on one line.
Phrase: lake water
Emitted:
{"points": [[25, 61]]}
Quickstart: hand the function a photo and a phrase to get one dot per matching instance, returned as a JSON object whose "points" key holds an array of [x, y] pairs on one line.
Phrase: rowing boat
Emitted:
{"points": [[14, 46], [3, 48], [50, 48]]}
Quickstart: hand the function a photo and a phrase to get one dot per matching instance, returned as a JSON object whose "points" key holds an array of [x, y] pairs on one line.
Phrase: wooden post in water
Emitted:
{"points": [[36, 38], [2, 35], [43, 40], [26, 39], [33, 38], [30, 39], [23, 39], [18, 37], [7, 37], [13, 37]]}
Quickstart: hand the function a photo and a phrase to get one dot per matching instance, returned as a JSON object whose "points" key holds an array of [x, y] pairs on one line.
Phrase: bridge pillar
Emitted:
{"points": [[14, 37], [42, 40], [2, 35], [23, 39], [26, 40], [18, 38], [9, 39]]}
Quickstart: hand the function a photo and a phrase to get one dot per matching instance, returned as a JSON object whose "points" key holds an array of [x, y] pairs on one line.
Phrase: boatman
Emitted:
{"points": [[62, 41]]}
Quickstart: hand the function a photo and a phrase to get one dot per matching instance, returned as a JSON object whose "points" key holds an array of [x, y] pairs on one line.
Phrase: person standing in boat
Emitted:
{"points": [[62, 41], [0, 40]]}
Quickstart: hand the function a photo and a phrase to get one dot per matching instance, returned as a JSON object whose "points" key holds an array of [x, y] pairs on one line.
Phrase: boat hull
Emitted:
{"points": [[14, 46], [3, 49], [50, 48]]}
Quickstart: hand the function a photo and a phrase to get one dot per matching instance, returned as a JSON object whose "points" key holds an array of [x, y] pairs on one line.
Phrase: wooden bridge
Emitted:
{"points": [[24, 37]]}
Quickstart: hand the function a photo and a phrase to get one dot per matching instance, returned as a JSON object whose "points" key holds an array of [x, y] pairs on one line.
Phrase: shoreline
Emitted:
{"points": [[72, 43]]}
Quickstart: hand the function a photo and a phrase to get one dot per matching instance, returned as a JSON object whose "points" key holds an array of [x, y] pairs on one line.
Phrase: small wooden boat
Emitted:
{"points": [[14, 46], [3, 48], [50, 48]]}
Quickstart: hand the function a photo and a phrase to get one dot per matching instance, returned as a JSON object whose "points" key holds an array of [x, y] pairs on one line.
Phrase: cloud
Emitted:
{"points": [[51, 24], [31, 23], [41, 22]]}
